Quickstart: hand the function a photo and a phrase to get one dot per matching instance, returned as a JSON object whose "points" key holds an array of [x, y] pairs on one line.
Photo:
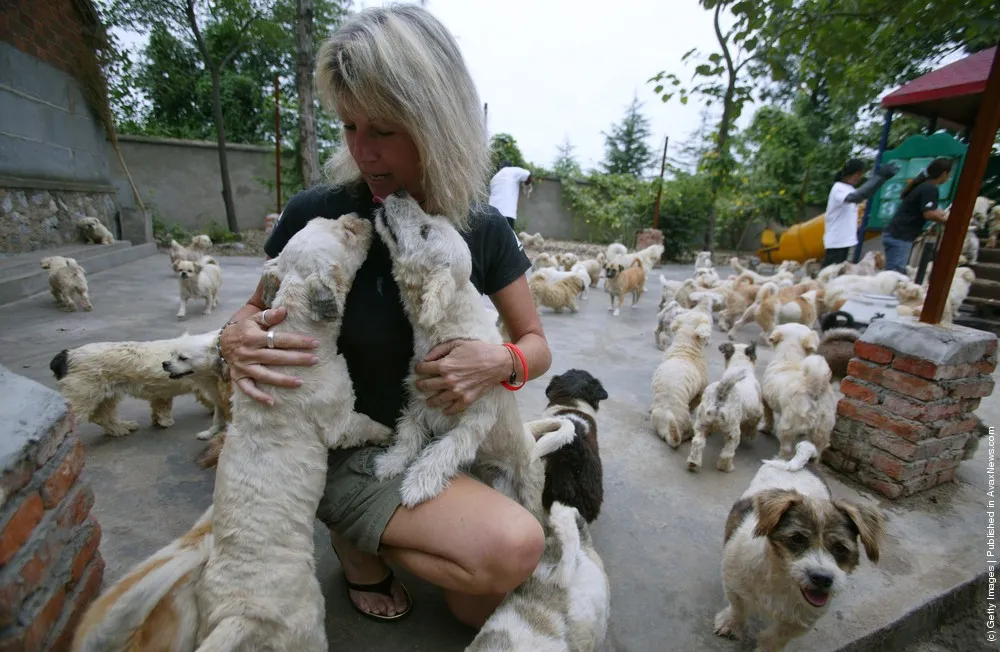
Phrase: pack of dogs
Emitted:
{"points": [[788, 545]]}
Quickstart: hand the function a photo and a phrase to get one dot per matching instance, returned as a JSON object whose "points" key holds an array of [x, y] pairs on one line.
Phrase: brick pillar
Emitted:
{"points": [[648, 237], [50, 566], [906, 420]]}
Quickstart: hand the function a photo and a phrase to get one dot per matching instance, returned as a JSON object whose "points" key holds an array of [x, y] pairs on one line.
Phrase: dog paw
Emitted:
{"points": [[130, 425], [388, 466], [694, 466], [725, 464], [179, 316], [164, 423], [205, 435], [121, 428], [419, 486], [724, 625], [615, 313]]}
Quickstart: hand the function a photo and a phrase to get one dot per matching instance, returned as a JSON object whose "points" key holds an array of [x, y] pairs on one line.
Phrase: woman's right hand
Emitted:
{"points": [[244, 348]]}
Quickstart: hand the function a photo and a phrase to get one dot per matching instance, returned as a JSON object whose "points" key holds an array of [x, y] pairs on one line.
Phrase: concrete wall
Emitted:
{"points": [[180, 180], [545, 212]]}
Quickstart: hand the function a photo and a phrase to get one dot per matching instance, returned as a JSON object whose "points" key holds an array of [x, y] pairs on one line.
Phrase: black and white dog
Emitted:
{"points": [[573, 473]]}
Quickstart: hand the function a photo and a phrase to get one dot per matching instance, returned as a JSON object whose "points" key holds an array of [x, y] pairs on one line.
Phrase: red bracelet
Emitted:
{"points": [[513, 375]]}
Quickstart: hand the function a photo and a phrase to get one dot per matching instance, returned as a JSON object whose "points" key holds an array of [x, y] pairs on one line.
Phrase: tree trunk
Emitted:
{"points": [[304, 63], [220, 131]]}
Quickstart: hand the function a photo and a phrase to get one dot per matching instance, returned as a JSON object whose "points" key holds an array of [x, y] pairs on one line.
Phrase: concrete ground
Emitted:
{"points": [[660, 531]]}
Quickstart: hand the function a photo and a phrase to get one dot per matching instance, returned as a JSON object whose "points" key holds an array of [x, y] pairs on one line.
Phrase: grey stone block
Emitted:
{"points": [[28, 413], [938, 343]]}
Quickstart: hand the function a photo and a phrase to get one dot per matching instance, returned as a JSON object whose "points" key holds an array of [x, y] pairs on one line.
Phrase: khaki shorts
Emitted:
{"points": [[354, 504]]}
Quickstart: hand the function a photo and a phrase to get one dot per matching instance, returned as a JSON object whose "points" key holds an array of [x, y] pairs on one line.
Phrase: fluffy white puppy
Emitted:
{"points": [[198, 247], [566, 260], [841, 288], [732, 405], [93, 230], [681, 378], [259, 590], [68, 283], [564, 606], [432, 265], [797, 390], [961, 283], [199, 280], [788, 549], [94, 377]]}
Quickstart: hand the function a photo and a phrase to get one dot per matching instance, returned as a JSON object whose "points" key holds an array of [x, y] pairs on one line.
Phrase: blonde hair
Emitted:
{"points": [[399, 63]]}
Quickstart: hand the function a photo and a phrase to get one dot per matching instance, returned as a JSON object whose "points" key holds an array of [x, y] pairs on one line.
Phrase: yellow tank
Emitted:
{"points": [[800, 242]]}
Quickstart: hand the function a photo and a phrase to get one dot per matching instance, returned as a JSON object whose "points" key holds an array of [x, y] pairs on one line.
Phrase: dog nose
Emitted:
{"points": [[820, 579], [166, 366], [400, 193]]}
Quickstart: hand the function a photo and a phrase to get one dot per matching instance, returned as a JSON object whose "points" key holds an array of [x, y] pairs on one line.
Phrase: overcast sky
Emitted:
{"points": [[551, 69]]}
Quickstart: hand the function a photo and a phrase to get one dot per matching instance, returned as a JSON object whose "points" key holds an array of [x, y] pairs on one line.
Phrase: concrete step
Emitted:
{"points": [[979, 323], [984, 288], [991, 256], [21, 276], [987, 271]]}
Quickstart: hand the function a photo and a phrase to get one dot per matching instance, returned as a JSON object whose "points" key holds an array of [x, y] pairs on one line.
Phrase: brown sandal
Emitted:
{"points": [[382, 588]]}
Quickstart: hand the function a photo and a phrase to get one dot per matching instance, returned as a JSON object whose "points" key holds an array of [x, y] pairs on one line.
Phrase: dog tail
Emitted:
{"points": [[837, 319], [60, 364], [552, 440], [734, 262], [817, 375], [840, 335], [125, 618], [636, 263], [565, 524], [727, 384], [805, 452]]}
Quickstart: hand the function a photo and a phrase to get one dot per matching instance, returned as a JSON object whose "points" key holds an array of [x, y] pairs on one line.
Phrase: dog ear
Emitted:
{"points": [[323, 296], [703, 333], [727, 349], [870, 523], [269, 284], [811, 342], [770, 506], [751, 351], [775, 337], [174, 264], [599, 392], [439, 291]]}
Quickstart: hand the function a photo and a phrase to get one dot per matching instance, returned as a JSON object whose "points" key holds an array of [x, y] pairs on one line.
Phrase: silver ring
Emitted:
{"points": [[270, 339], [263, 318]]}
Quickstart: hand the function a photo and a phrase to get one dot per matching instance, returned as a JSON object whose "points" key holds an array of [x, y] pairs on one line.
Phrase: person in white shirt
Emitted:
{"points": [[504, 188], [840, 228]]}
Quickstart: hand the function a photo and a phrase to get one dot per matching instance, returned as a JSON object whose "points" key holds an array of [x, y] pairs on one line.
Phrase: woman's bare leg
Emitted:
{"points": [[365, 568]]}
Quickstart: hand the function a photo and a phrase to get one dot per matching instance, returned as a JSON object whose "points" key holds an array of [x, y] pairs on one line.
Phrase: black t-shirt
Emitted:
{"points": [[376, 338], [909, 220]]}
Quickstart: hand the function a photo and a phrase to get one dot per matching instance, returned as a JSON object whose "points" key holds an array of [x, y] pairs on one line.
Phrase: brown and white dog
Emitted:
{"points": [[789, 547], [68, 283], [621, 281]]}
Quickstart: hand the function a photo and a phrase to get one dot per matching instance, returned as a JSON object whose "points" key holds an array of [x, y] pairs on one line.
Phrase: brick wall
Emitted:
{"points": [[50, 566], [50, 30], [906, 421]]}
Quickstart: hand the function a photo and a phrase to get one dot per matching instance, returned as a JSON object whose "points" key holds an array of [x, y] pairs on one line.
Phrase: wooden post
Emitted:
{"points": [[277, 144], [486, 114], [659, 189], [950, 247]]}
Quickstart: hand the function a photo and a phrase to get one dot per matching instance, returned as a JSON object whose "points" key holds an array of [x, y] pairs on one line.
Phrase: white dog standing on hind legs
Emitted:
{"points": [[788, 549], [259, 589], [432, 265]]}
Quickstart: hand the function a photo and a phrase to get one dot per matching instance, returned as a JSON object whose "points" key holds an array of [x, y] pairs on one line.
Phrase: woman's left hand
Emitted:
{"points": [[460, 371]]}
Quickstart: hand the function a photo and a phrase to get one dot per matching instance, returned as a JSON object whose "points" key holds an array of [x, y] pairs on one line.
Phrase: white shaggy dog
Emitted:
{"points": [[583, 270], [564, 606], [432, 266], [703, 261], [732, 405], [259, 589], [669, 290], [961, 283], [681, 378], [841, 288], [534, 241], [199, 280], [788, 549], [93, 230], [614, 250], [566, 260], [198, 247], [797, 390], [544, 260], [94, 377], [68, 283]]}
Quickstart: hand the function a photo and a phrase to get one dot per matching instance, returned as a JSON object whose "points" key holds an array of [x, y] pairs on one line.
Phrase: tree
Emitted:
{"points": [[565, 165], [626, 148], [186, 18], [504, 148], [305, 62]]}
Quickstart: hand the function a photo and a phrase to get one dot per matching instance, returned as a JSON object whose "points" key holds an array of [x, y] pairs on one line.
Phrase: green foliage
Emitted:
{"points": [[163, 233], [504, 148], [626, 148], [220, 234]]}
